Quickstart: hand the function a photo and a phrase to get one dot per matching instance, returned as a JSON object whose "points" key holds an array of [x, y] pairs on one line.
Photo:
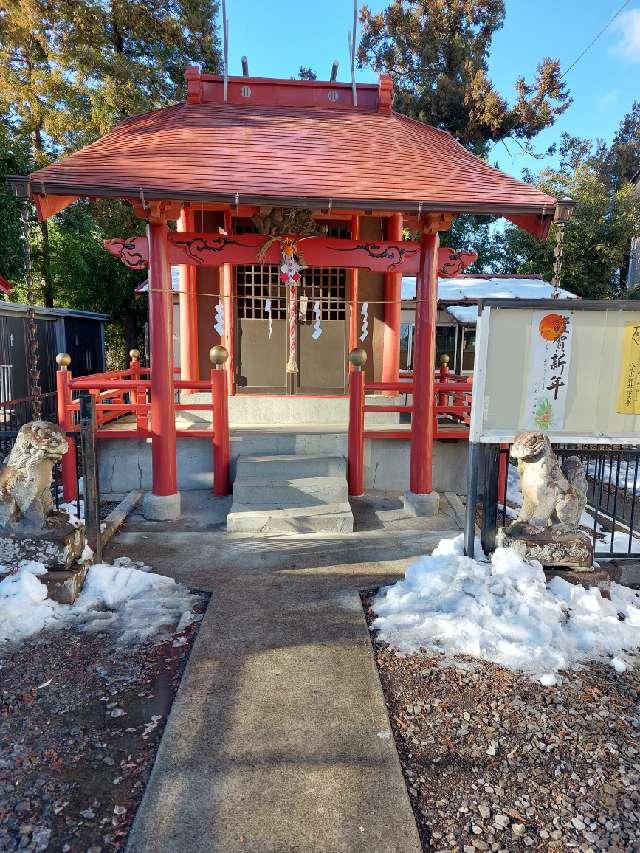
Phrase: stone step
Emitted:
{"points": [[325, 518], [287, 466], [267, 493]]}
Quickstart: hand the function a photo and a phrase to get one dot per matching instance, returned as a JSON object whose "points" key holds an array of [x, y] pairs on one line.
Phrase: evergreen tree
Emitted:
{"points": [[597, 237], [437, 54], [69, 71]]}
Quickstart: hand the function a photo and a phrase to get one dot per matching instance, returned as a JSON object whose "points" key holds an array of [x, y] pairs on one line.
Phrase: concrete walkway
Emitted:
{"points": [[278, 739]]}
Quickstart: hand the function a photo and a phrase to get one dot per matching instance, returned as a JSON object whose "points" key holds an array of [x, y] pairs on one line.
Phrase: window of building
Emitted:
{"points": [[468, 348], [446, 343], [406, 346]]}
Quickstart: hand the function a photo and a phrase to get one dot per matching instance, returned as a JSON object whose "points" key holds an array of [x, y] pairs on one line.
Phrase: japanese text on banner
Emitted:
{"points": [[629, 382], [548, 379]]}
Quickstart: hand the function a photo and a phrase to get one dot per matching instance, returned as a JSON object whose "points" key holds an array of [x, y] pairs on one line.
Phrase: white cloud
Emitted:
{"points": [[627, 27]]}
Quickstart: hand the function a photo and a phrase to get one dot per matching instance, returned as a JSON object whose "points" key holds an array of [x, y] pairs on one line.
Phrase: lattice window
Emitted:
{"points": [[328, 287], [254, 285]]}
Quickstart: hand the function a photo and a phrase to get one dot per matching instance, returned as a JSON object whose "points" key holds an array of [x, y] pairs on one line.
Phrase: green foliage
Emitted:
{"points": [[477, 233], [598, 236], [437, 54], [307, 73], [622, 163], [69, 71], [14, 160]]}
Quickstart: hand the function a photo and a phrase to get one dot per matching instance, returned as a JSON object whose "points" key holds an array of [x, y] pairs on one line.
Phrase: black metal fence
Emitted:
{"points": [[612, 513], [15, 413]]}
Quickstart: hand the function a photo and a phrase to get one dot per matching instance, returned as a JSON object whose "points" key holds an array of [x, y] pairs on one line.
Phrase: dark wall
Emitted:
{"points": [[82, 338], [83, 342]]}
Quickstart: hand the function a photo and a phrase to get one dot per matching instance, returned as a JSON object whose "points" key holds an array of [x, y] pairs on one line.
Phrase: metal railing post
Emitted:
{"points": [[355, 448], [68, 464], [220, 402]]}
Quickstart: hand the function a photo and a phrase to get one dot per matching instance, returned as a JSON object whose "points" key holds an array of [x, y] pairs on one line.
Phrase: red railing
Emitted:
{"points": [[451, 414], [121, 393]]}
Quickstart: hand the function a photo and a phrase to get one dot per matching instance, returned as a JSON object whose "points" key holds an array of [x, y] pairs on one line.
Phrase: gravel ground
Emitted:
{"points": [[495, 761], [80, 723]]}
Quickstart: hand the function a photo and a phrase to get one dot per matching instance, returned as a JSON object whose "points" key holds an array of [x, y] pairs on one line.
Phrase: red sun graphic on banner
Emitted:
{"points": [[552, 326]]}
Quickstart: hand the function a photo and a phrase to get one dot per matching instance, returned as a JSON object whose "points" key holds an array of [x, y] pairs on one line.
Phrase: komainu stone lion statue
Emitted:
{"points": [[552, 493], [554, 497], [25, 478]]}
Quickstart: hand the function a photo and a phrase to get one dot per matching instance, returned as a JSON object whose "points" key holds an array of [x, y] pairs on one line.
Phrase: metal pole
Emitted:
{"points": [[473, 461], [91, 490]]}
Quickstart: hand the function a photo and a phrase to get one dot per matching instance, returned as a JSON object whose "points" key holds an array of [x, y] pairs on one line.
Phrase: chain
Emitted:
{"points": [[557, 263], [35, 391]]}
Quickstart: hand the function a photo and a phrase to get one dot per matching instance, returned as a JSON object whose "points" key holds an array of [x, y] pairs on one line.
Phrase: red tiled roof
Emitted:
{"points": [[5, 285], [363, 157]]}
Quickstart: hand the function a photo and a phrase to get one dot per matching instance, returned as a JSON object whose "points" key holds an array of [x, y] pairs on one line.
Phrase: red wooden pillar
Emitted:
{"points": [[228, 301], [354, 325], [422, 421], [188, 308], [355, 442], [68, 463], [164, 501], [392, 310]]}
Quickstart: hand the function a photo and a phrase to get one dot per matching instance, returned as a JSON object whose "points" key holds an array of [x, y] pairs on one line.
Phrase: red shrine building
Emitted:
{"points": [[286, 206]]}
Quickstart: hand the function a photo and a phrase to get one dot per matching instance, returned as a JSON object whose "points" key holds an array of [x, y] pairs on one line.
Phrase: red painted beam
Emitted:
{"points": [[189, 368], [392, 290], [214, 250]]}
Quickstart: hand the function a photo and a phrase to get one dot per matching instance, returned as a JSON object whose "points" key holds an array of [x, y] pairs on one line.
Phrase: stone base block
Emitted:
{"points": [[57, 546], [422, 506], [161, 507], [65, 587], [551, 547]]}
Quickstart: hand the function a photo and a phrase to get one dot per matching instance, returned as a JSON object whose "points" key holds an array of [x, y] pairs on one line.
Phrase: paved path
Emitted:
{"points": [[278, 739]]}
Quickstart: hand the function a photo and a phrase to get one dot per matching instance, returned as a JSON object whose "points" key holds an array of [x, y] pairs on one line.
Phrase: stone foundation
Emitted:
{"points": [[57, 546], [552, 547]]}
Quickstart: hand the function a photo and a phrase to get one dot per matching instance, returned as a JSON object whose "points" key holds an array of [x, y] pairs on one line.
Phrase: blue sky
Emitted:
{"points": [[281, 35]]}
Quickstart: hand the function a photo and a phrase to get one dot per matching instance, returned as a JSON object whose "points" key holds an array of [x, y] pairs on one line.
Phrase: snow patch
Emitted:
{"points": [[503, 611], [131, 604], [459, 288]]}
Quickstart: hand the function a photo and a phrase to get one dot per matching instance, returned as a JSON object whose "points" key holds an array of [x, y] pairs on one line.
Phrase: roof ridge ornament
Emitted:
{"points": [[385, 94]]}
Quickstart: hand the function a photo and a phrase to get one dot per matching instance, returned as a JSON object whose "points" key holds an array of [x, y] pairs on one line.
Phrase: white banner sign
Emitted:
{"points": [[548, 376]]}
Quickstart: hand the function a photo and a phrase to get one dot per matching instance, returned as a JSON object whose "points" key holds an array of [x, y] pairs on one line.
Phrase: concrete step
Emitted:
{"points": [[324, 518], [262, 492], [287, 466]]}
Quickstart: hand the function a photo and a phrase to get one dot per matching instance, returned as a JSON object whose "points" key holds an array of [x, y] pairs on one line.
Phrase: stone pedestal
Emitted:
{"points": [[161, 507], [65, 587], [57, 546], [553, 546], [422, 506]]}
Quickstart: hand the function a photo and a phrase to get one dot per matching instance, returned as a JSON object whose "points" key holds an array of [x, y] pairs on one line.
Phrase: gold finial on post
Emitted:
{"points": [[358, 358], [218, 356], [444, 360], [63, 360], [134, 354]]}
